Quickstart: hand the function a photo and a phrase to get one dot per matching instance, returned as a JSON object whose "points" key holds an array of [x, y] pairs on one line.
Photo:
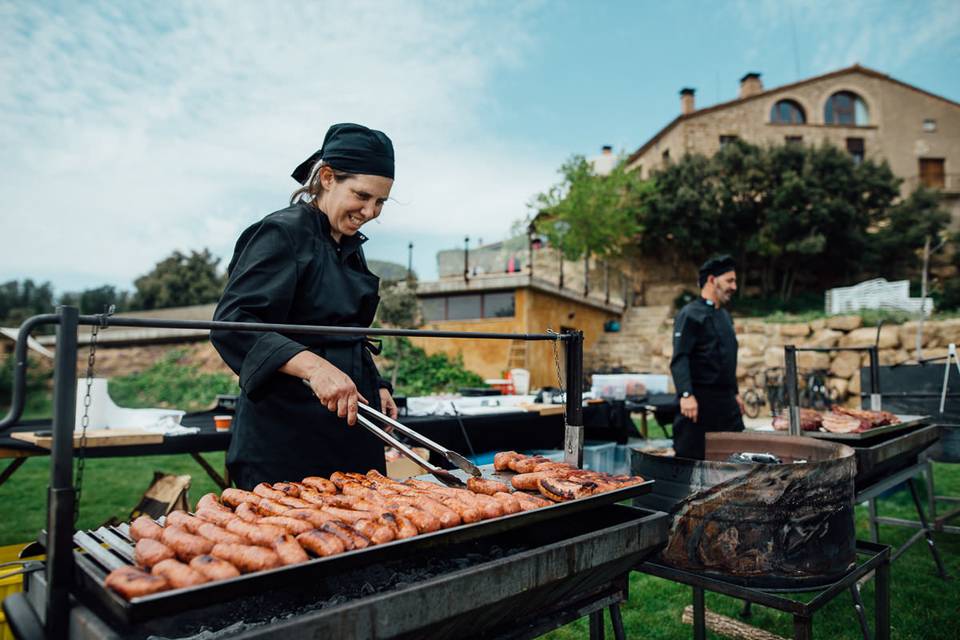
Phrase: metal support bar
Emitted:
{"points": [[861, 611], [61, 494], [10, 469], [216, 477], [616, 621], [793, 393], [699, 614], [573, 430], [941, 571], [596, 625]]}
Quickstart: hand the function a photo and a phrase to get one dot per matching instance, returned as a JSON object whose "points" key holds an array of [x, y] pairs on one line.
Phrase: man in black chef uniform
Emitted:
{"points": [[704, 363]]}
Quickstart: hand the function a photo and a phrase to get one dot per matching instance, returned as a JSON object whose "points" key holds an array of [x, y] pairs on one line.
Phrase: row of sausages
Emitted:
{"points": [[287, 522]]}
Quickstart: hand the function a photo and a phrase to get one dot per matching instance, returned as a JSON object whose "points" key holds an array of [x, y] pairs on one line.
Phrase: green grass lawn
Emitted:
{"points": [[922, 605]]}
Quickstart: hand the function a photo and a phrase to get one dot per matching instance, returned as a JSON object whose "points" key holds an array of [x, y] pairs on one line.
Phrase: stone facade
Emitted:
{"points": [[898, 126], [761, 347]]}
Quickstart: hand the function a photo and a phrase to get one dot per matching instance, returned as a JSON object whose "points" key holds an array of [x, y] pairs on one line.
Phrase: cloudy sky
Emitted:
{"points": [[131, 129]]}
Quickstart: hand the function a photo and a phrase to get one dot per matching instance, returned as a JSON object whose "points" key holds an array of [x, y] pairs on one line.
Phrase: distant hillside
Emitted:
{"points": [[388, 271]]}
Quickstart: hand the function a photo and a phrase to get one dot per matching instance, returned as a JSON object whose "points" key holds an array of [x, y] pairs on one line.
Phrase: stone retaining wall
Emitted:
{"points": [[761, 347]]}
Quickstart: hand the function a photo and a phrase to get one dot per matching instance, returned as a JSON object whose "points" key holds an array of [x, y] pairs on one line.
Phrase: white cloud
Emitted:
{"points": [[131, 130]]}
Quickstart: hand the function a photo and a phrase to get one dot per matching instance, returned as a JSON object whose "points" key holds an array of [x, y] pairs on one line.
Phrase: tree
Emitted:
{"points": [[180, 280], [19, 301], [588, 214], [909, 226], [398, 308], [97, 299]]}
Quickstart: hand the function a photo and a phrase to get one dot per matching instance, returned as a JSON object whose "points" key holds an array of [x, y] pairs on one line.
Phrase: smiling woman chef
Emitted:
{"points": [[305, 265]]}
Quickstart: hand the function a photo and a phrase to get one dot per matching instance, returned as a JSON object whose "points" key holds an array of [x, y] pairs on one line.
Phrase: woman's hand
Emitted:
{"points": [[387, 405], [333, 387]]}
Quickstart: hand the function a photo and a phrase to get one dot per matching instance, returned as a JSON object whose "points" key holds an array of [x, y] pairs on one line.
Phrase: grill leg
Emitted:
{"points": [[802, 627], [874, 527], [861, 613], [931, 494], [926, 529], [11, 468], [616, 620], [881, 600], [699, 615], [747, 610], [596, 625]]}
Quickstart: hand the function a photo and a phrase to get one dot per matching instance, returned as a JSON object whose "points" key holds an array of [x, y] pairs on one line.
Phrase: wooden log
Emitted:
{"points": [[730, 628]]}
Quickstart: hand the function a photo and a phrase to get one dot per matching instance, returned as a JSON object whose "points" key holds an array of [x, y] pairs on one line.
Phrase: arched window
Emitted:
{"points": [[846, 108], [787, 112]]}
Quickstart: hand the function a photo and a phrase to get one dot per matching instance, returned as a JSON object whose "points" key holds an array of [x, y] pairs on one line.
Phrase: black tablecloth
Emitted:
{"points": [[519, 430]]}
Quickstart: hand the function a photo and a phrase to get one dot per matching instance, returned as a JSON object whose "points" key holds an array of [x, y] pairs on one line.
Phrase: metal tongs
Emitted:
{"points": [[452, 457]]}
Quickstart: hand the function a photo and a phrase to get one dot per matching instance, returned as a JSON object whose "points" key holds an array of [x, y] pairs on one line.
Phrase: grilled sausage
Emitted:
{"points": [[321, 485], [321, 543], [529, 502], [247, 558], [526, 464], [348, 515], [489, 487], [378, 532], [292, 526], [338, 479], [266, 491], [314, 516], [501, 461], [289, 488], [352, 539], [289, 550], [258, 534], [186, 545], [234, 497], [402, 525], [214, 568], [145, 527], [295, 503], [247, 512], [270, 507], [211, 501], [131, 582], [508, 502], [215, 534], [527, 481], [183, 520], [215, 516], [149, 552], [178, 574], [560, 490]]}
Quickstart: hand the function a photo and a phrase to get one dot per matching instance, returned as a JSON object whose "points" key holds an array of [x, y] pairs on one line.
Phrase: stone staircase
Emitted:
{"points": [[638, 346]]}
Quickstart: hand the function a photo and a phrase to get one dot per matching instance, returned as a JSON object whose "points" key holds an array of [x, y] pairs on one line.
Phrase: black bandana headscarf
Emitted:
{"points": [[716, 266], [352, 148]]}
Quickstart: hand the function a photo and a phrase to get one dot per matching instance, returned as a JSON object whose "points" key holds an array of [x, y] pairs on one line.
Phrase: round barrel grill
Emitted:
{"points": [[781, 525]]}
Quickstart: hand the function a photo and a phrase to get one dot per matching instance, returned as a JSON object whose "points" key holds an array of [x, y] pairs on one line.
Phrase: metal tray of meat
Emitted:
{"points": [[99, 551], [906, 422]]}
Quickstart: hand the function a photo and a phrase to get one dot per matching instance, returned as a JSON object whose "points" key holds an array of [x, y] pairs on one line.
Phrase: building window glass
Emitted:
{"points": [[932, 173], [725, 140], [855, 148], [930, 125], [787, 112], [433, 309], [665, 155], [464, 307], [498, 305], [793, 139], [846, 108]]}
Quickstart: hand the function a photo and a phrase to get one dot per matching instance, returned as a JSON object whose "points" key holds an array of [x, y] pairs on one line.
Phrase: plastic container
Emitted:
{"points": [[599, 456], [10, 585], [620, 386], [521, 381], [223, 422]]}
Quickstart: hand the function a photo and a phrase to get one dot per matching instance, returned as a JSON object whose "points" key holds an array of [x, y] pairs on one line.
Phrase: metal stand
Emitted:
{"points": [[878, 562], [870, 495], [62, 494], [791, 379], [940, 521]]}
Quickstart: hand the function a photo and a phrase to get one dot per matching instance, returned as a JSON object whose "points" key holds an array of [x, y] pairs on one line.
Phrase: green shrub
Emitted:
{"points": [[39, 377], [171, 383], [421, 374]]}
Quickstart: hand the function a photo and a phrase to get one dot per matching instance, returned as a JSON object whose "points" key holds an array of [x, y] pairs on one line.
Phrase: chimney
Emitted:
{"points": [[750, 85], [686, 100]]}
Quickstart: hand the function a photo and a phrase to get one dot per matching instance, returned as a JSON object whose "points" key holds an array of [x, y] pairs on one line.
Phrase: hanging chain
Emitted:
{"points": [[556, 361], [85, 419]]}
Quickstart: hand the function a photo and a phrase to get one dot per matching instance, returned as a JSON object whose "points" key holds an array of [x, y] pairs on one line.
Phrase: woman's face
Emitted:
{"points": [[351, 203]]}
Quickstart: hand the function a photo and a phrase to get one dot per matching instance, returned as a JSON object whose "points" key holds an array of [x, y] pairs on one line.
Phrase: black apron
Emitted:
{"points": [[281, 431], [717, 410]]}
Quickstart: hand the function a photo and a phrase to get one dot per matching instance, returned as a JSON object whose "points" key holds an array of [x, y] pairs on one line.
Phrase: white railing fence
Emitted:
{"points": [[875, 294]]}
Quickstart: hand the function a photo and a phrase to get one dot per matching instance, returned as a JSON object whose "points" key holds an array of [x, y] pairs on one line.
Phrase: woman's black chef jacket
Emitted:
{"points": [[704, 363], [288, 269]]}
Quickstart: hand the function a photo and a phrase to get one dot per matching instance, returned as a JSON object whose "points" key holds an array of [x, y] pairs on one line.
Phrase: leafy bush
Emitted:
{"points": [[171, 383], [421, 374], [39, 377]]}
